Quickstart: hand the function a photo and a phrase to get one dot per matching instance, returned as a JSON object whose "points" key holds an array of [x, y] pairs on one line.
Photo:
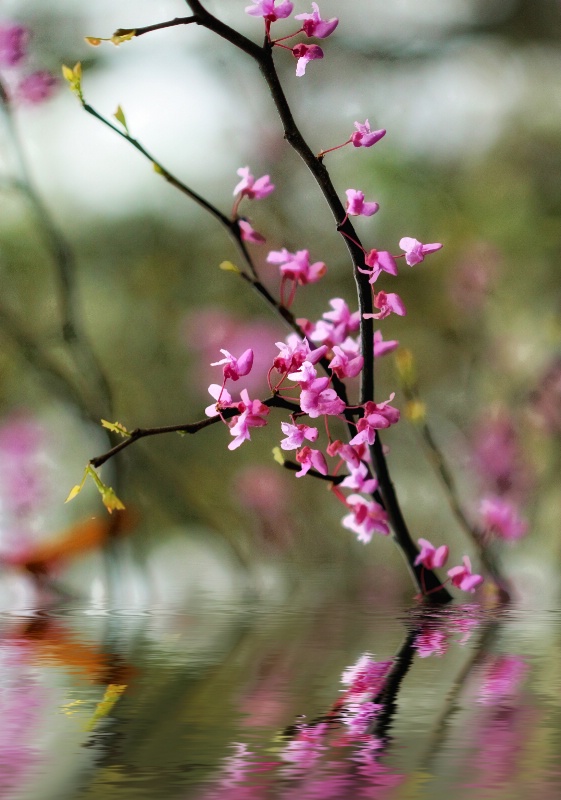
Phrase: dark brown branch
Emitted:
{"points": [[276, 401], [157, 27]]}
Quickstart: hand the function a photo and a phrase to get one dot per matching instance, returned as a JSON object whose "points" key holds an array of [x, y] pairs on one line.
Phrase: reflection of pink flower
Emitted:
{"points": [[367, 676], [430, 642], [502, 679]]}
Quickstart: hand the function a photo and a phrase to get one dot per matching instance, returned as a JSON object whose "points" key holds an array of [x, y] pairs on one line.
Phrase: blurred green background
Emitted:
{"points": [[469, 92]]}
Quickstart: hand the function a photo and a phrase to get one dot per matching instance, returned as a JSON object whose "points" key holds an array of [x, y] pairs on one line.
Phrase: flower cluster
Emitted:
{"points": [[17, 82], [313, 27], [462, 576]]}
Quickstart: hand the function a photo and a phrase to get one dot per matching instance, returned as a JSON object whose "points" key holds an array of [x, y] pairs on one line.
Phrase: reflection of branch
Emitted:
{"points": [[387, 696]]}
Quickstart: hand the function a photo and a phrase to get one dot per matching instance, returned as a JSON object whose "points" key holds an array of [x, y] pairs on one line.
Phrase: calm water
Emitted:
{"points": [[312, 699]]}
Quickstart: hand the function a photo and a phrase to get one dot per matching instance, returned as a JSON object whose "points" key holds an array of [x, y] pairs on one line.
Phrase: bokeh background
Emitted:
{"points": [[469, 92]]}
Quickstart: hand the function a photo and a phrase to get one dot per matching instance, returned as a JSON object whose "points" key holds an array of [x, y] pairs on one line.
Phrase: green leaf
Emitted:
{"points": [[120, 117], [78, 488], [115, 427]]}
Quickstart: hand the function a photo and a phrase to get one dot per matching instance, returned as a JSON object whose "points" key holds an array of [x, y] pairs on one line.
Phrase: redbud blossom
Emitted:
{"points": [[314, 25], [463, 578], [295, 435], [415, 251], [217, 391], [365, 518], [343, 366], [13, 42], [376, 417], [387, 303], [248, 234], [251, 188], [296, 266], [346, 452], [316, 398], [294, 352], [305, 53], [356, 206], [359, 480], [309, 459], [381, 347], [266, 9], [378, 261], [364, 137], [501, 517], [431, 557], [252, 416], [36, 87], [235, 368]]}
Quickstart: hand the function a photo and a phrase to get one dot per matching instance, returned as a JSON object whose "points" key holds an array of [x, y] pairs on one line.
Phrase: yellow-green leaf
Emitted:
{"points": [[406, 367], [278, 456], [115, 427], [74, 78], [78, 488], [111, 501], [122, 35], [95, 41], [120, 117], [227, 266]]}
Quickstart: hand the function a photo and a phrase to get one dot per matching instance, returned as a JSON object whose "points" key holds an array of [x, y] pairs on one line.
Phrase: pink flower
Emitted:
{"points": [[415, 252], [381, 347], [251, 188], [235, 368], [314, 25], [267, 10], [252, 416], [294, 352], [376, 417], [13, 44], [305, 53], [316, 399], [378, 261], [295, 435], [37, 87], [343, 366], [387, 303], [359, 480], [365, 518], [463, 578], [431, 557], [357, 207], [296, 266], [364, 137], [248, 234], [309, 458], [217, 391], [501, 517], [347, 452]]}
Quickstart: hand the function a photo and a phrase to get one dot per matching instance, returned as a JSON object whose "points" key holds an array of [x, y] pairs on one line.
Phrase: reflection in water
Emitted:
{"points": [[245, 702]]}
